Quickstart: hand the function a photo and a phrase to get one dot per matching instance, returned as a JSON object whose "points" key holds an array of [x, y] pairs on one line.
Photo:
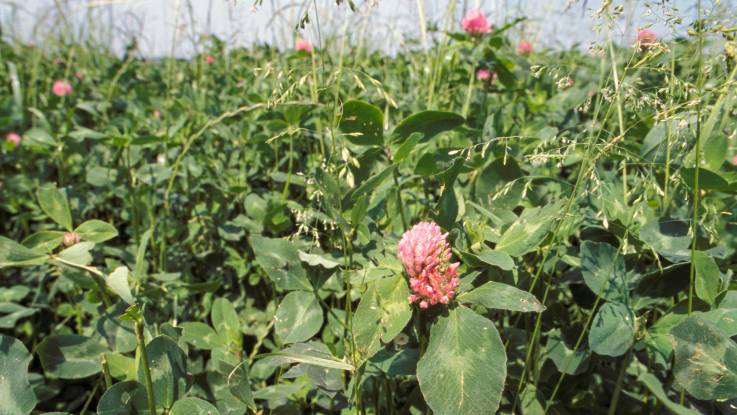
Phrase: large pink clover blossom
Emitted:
{"points": [[426, 255]]}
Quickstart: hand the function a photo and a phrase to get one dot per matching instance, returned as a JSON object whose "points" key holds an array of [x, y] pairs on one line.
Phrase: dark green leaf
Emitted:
{"points": [[429, 123], [362, 123]]}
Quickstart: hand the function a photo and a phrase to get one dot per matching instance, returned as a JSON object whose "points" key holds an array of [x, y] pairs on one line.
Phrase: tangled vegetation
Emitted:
{"points": [[221, 235]]}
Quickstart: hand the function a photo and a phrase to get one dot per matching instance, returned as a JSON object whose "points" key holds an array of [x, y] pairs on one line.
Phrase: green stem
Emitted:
{"points": [[400, 204], [106, 371], [146, 370], [618, 388], [620, 116], [469, 92]]}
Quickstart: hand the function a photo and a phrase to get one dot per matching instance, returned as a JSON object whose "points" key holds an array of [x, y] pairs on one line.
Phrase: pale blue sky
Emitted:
{"points": [[383, 24]]}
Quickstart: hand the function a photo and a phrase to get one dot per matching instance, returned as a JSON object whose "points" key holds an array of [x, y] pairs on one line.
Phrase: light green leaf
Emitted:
{"points": [[44, 241], [668, 237], [528, 231], [406, 148], [16, 393], [280, 260], [311, 353], [96, 231], [226, 322], [193, 406], [382, 314], [140, 268], [13, 254], [54, 203], [118, 282], [298, 317], [315, 260], [501, 296], [39, 137], [200, 335], [708, 277], [78, 254], [498, 259], [10, 313], [465, 365]]}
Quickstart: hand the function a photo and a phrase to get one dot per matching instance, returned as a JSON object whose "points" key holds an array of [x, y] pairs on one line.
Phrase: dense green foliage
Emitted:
{"points": [[236, 226]]}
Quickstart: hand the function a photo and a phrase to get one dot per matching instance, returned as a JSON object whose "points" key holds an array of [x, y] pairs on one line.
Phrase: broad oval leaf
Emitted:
{"points": [[498, 259], [429, 123], [44, 241], [118, 282], [96, 231], [16, 393], [465, 365], [70, 356], [298, 317], [280, 260], [603, 270], [13, 254], [528, 231], [706, 359], [362, 123], [501, 296], [168, 365], [54, 203], [123, 398], [381, 315], [708, 180], [612, 330], [193, 406], [708, 278]]}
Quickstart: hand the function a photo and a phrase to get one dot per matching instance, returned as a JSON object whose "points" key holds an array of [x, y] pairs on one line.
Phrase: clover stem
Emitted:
{"points": [[146, 370]]}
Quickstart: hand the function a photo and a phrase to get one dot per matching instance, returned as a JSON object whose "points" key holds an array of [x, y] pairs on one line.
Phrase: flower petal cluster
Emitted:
{"points": [[646, 38], [13, 138], [61, 88], [426, 256], [475, 23], [303, 45], [524, 48]]}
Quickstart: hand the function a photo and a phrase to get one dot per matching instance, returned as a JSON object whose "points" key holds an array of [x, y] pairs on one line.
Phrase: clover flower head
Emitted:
{"points": [[426, 255], [475, 23]]}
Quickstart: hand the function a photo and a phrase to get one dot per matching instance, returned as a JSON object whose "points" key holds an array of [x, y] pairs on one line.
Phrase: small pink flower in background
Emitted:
{"points": [[209, 59], [70, 238], [734, 160], [61, 88], [485, 74], [475, 23], [646, 38], [426, 256], [157, 114], [303, 45], [79, 75], [524, 47], [14, 138]]}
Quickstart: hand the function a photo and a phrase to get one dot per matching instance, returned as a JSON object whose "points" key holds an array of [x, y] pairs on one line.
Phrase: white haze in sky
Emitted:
{"points": [[165, 27]]}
